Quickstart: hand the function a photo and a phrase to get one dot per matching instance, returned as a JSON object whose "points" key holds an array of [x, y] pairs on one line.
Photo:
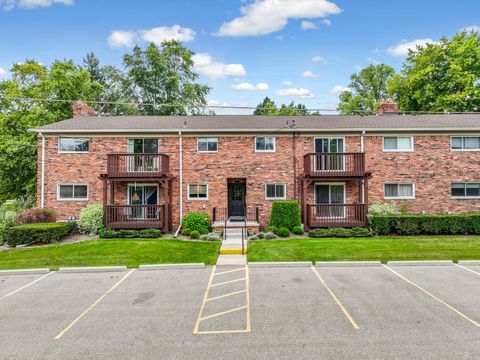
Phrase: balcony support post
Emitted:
{"points": [[166, 201], [105, 185], [112, 192]]}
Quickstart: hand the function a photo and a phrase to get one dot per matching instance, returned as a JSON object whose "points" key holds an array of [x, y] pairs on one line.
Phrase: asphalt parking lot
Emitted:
{"points": [[396, 312]]}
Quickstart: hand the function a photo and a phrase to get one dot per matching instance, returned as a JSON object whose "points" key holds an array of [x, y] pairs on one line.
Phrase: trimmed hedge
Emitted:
{"points": [[339, 232], [45, 233], [412, 224], [283, 232], [131, 234], [285, 213]]}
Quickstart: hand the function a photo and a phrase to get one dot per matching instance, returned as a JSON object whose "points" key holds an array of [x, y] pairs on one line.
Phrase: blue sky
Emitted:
{"points": [[300, 50]]}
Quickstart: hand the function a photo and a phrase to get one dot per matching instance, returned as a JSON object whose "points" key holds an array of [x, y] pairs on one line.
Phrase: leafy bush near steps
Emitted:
{"points": [[339, 232], [298, 230], [194, 234], [285, 213], [196, 222], [283, 232], [91, 219], [130, 234], [415, 224], [270, 228], [45, 233]]}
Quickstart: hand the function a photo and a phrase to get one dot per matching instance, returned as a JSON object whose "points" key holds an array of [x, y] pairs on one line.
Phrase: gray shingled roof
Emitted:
{"points": [[250, 123]]}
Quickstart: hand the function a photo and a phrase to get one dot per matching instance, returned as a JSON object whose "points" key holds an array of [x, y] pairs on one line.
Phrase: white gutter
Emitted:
{"points": [[362, 149], [180, 159], [42, 175], [361, 142]]}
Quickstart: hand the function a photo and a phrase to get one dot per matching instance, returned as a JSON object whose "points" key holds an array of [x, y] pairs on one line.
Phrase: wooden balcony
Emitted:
{"points": [[336, 215], [334, 165], [137, 165], [135, 216]]}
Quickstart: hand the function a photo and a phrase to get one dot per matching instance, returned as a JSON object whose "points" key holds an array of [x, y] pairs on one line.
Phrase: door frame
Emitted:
{"points": [[315, 162], [329, 138], [130, 185], [244, 185], [329, 195]]}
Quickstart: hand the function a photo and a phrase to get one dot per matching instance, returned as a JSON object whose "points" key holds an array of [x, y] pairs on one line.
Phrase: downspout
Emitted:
{"points": [[294, 149], [180, 160], [362, 149], [42, 175]]}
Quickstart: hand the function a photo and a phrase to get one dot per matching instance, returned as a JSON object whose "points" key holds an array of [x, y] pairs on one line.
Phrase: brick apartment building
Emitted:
{"points": [[149, 171]]}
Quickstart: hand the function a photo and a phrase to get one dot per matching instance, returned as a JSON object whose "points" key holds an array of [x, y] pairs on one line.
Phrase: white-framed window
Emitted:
{"points": [[275, 191], [465, 190], [76, 192], [265, 144], [73, 145], [398, 143], [465, 143], [399, 191], [197, 191], [207, 144]]}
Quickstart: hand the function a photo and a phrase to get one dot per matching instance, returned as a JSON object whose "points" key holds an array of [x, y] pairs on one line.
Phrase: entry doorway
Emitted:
{"points": [[237, 191]]}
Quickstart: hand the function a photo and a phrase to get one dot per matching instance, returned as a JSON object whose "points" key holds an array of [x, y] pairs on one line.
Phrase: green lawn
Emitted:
{"points": [[363, 249], [129, 252]]}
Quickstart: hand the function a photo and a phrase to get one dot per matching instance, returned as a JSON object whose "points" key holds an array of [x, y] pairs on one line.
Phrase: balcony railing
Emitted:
{"points": [[221, 214], [336, 215], [135, 216], [334, 164], [137, 165]]}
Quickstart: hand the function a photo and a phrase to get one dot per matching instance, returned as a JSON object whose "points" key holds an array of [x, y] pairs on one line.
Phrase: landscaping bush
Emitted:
{"points": [[33, 216], [415, 224], [382, 209], [131, 234], [6, 222], [150, 233], [283, 232], [214, 236], [109, 234], [285, 213], [270, 228], [185, 232], [339, 232], [40, 232], [197, 222], [270, 236], [91, 219], [298, 230], [194, 234]]}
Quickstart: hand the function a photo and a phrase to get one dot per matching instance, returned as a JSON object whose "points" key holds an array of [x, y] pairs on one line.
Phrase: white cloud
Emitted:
{"points": [[205, 65], [301, 93], [373, 61], [267, 16], [287, 83], [118, 39], [310, 74], [339, 89], [308, 25], [470, 28], [216, 103], [326, 22], [319, 59], [401, 49], [32, 4], [157, 35], [245, 86], [3, 73]]}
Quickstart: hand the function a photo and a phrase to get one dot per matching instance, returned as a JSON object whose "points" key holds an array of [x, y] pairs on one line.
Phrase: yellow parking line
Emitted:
{"points": [[340, 305], [229, 271], [93, 305], [26, 286], [241, 331], [465, 268], [458, 312], [227, 282], [205, 297], [227, 295], [247, 277], [223, 313]]}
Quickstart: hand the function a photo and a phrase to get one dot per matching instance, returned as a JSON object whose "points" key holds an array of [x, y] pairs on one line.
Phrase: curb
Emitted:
{"points": [[347, 263], [421, 263], [469, 262], [93, 269], [171, 266], [280, 264], [25, 271]]}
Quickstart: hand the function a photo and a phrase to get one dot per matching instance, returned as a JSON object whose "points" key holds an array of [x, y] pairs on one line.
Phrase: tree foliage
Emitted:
{"points": [[367, 89], [443, 76], [268, 107]]}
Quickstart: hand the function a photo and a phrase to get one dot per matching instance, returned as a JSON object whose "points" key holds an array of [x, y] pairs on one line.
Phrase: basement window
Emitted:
{"points": [[72, 192]]}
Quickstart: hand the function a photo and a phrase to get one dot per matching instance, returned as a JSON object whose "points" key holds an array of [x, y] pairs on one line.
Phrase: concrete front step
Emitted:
{"points": [[232, 249]]}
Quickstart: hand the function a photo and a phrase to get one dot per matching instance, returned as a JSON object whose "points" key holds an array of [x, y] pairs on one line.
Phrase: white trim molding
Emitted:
{"points": [[284, 197], [412, 143], [197, 198]]}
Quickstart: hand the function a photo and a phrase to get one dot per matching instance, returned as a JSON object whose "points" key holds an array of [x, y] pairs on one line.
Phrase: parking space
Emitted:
{"points": [[240, 312]]}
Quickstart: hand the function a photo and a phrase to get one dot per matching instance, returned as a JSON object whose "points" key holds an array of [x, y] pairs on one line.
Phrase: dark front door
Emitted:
{"points": [[236, 199]]}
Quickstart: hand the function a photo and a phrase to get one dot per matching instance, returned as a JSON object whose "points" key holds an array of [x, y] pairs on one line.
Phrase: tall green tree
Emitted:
{"points": [[20, 110], [443, 76], [367, 89], [164, 75], [268, 107]]}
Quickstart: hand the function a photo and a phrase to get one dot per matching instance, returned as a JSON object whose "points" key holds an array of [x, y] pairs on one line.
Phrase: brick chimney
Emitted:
{"points": [[387, 107], [80, 108]]}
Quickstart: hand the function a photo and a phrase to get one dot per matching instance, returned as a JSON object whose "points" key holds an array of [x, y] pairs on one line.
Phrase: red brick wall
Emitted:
{"points": [[432, 167]]}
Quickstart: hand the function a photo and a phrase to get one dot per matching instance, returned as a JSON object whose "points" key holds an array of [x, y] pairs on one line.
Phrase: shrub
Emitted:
{"points": [[382, 209], [91, 219], [260, 235], [150, 233], [109, 234], [270, 236], [270, 228], [185, 232], [40, 232], [33, 216], [194, 234], [197, 222], [131, 234], [298, 230], [339, 232], [214, 236], [414, 224], [285, 213], [6, 222], [283, 232], [361, 232]]}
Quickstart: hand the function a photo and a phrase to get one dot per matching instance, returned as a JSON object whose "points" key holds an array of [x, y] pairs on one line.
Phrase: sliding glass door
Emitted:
{"points": [[143, 195], [147, 158], [328, 155], [330, 198]]}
